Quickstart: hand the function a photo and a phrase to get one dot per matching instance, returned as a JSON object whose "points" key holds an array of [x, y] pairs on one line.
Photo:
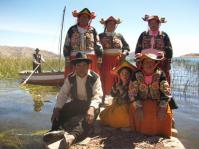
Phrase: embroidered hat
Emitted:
{"points": [[111, 18], [81, 57], [124, 64], [153, 17], [151, 54], [86, 11]]}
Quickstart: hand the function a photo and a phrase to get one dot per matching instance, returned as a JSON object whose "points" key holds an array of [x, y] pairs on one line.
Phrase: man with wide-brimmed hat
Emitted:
{"points": [[37, 60], [77, 104], [156, 39], [150, 112], [82, 37], [114, 49]]}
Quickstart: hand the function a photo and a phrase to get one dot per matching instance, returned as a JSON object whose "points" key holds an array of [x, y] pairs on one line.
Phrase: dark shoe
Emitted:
{"points": [[53, 136]]}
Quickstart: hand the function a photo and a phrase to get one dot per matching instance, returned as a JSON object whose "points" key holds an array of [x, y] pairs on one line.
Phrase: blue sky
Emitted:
{"points": [[36, 23]]}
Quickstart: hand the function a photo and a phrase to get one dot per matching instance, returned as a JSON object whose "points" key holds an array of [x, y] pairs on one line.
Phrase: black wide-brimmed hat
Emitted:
{"points": [[81, 57], [37, 49]]}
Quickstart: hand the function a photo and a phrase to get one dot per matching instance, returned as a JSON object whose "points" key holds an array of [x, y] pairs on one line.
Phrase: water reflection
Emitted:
{"points": [[25, 114], [185, 89], [25, 111], [39, 94]]}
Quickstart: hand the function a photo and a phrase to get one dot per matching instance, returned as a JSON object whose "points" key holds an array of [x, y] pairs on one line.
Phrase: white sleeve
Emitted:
{"points": [[97, 94], [64, 94]]}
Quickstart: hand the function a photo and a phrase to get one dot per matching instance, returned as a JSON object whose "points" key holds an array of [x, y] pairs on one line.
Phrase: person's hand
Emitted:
{"points": [[139, 114], [162, 114], [55, 115], [90, 115]]}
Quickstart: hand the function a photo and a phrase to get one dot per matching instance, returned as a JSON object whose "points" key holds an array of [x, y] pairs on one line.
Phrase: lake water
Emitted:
{"points": [[25, 111]]}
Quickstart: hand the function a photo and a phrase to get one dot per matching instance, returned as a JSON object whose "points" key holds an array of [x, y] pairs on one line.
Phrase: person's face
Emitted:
{"points": [[149, 66], [124, 75], [83, 20], [81, 69], [110, 26], [154, 25]]}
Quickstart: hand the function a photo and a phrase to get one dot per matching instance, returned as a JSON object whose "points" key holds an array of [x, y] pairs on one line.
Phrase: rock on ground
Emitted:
{"points": [[110, 138]]}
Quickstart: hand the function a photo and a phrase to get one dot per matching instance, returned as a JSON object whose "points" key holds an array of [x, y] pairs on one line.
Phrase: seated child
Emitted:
{"points": [[116, 115]]}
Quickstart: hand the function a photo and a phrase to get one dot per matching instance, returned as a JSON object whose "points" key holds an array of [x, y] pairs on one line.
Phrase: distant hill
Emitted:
{"points": [[191, 55], [25, 52]]}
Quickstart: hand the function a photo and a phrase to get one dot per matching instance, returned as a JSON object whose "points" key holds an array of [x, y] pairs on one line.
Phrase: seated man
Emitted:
{"points": [[77, 101]]}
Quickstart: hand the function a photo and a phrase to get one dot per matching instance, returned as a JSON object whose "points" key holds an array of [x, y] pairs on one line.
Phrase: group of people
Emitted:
{"points": [[95, 66]]}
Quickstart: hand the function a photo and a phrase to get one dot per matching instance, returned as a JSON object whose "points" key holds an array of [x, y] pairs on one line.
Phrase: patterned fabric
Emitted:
{"points": [[158, 90], [120, 93], [113, 41], [77, 41], [161, 42]]}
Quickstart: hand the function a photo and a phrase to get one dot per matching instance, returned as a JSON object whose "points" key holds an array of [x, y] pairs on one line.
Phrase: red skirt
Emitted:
{"points": [[151, 125], [107, 78]]}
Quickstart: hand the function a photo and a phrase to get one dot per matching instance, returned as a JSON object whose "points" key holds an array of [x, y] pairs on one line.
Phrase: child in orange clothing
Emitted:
{"points": [[117, 114], [150, 113]]}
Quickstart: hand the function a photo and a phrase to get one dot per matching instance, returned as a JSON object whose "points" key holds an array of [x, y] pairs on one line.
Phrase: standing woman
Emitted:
{"points": [[156, 39], [114, 49], [82, 37]]}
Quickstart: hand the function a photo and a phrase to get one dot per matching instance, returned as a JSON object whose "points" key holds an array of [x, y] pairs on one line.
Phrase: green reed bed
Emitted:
{"points": [[21, 139], [10, 67]]}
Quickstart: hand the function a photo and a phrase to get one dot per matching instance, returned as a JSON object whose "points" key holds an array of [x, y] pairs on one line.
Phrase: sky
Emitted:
{"points": [[37, 23]]}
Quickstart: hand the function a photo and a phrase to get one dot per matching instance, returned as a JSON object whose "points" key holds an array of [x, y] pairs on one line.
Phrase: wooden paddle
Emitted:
{"points": [[50, 67], [24, 82]]}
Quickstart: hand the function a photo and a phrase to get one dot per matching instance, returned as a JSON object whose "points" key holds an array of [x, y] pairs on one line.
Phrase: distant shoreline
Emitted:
{"points": [[191, 55]]}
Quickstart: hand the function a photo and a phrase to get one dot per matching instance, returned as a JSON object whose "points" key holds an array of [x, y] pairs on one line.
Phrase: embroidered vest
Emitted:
{"points": [[158, 41], [89, 85], [80, 42], [151, 91], [111, 42]]}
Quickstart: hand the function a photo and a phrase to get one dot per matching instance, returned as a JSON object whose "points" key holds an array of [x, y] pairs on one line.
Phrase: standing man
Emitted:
{"points": [[156, 40], [37, 60], [77, 103], [82, 37]]}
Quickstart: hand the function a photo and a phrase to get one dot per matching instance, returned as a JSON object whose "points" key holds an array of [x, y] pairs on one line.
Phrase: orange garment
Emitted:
{"points": [[115, 116], [109, 62], [93, 66], [69, 68], [151, 125]]}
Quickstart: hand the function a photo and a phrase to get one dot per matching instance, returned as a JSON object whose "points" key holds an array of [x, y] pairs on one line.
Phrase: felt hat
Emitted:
{"points": [[124, 64], [154, 17], [111, 18], [150, 54], [86, 11], [81, 57]]}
